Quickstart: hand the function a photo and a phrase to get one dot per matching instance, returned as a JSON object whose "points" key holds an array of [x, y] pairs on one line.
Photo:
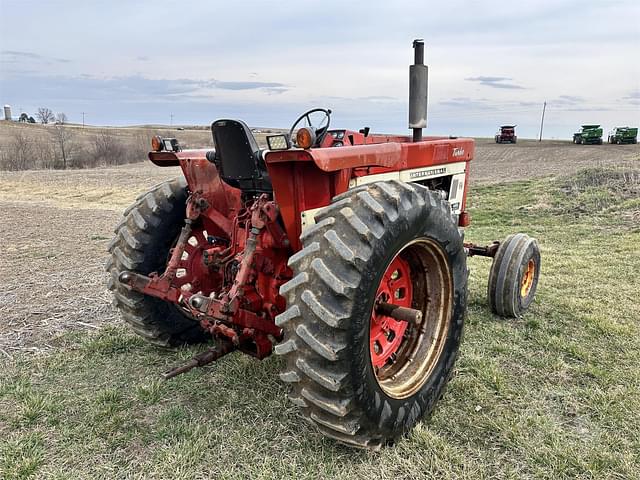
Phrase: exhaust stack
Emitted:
{"points": [[418, 89]]}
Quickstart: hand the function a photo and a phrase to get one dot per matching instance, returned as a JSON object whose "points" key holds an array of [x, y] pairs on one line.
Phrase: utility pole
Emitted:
{"points": [[83, 119], [544, 107], [171, 121]]}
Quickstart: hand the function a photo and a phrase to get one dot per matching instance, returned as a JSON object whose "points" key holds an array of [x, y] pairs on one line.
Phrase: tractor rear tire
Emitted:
{"points": [[141, 244], [331, 328], [513, 278]]}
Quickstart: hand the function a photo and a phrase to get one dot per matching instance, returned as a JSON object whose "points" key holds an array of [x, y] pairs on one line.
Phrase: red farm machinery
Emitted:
{"points": [[342, 251], [506, 134]]}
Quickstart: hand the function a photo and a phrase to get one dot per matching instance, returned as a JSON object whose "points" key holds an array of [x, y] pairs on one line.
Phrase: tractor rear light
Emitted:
{"points": [[156, 143], [464, 220], [305, 137]]}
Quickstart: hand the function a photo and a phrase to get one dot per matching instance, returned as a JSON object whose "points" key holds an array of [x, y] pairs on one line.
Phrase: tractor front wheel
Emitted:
{"points": [[513, 278], [363, 377], [142, 244]]}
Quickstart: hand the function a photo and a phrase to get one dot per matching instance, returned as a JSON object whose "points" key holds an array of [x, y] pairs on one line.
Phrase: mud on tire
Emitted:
{"points": [[141, 244], [330, 302]]}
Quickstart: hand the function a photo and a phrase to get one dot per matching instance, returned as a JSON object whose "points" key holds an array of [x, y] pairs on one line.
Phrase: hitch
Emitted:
{"points": [[200, 360]]}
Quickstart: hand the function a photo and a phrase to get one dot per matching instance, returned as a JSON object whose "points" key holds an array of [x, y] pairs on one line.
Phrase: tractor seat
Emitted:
{"points": [[238, 157]]}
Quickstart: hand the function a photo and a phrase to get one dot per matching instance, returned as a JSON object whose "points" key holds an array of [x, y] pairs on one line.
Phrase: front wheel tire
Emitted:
{"points": [[361, 377], [513, 278]]}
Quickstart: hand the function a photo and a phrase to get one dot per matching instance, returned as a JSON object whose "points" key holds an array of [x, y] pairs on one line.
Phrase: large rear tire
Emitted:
{"points": [[141, 244], [360, 377]]}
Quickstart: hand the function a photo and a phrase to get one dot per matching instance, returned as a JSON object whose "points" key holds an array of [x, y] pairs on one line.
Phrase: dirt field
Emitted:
{"points": [[552, 395]]}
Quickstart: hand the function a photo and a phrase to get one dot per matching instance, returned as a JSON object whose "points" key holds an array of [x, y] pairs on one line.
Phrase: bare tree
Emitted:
{"points": [[61, 118], [19, 153], [44, 154], [66, 143], [108, 150], [45, 115]]}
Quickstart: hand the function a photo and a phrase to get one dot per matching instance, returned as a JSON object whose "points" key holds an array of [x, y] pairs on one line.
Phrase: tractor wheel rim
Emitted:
{"points": [[192, 275], [527, 279], [404, 355]]}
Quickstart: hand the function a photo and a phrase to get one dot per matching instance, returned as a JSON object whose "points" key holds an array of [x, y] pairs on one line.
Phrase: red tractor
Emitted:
{"points": [[506, 134], [343, 253]]}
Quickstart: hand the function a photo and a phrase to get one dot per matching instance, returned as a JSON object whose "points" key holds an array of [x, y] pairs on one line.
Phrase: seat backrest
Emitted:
{"points": [[237, 152]]}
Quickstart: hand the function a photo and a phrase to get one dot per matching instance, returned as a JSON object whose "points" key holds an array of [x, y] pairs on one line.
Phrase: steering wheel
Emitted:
{"points": [[321, 131]]}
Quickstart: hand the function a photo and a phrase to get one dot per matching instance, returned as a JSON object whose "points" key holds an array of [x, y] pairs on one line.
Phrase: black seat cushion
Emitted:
{"points": [[238, 157]]}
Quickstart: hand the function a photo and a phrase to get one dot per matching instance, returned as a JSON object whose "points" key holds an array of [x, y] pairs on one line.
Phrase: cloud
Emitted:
{"points": [[129, 89], [568, 100], [17, 56], [276, 90], [495, 82], [244, 85], [572, 103], [378, 98], [466, 103], [633, 98]]}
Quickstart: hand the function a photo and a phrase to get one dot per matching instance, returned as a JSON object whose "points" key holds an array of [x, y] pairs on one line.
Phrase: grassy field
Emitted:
{"points": [[555, 394]]}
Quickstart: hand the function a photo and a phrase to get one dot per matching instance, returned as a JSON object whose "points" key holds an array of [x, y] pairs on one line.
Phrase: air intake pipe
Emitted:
{"points": [[418, 89]]}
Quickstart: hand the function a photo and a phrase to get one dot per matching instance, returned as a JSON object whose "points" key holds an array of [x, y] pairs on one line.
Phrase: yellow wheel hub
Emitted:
{"points": [[527, 279]]}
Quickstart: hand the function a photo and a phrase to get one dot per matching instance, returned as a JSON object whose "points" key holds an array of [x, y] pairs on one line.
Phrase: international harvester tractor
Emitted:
{"points": [[342, 251]]}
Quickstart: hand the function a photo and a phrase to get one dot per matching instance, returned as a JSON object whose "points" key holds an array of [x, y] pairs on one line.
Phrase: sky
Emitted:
{"points": [[126, 62]]}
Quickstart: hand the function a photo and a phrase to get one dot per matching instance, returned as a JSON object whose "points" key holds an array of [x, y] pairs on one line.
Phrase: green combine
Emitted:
{"points": [[622, 135], [588, 135]]}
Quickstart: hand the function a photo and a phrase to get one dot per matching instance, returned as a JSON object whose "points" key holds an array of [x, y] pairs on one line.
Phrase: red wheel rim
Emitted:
{"points": [[386, 334], [404, 354], [192, 274]]}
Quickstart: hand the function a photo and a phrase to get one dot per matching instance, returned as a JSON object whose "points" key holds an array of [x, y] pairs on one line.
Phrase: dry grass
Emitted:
{"points": [[592, 191]]}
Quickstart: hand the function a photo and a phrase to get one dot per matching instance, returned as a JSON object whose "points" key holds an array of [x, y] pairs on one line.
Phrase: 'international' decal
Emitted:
{"points": [[428, 173]]}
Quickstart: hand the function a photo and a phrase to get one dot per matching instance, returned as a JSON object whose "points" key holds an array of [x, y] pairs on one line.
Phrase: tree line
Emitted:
{"points": [[60, 147]]}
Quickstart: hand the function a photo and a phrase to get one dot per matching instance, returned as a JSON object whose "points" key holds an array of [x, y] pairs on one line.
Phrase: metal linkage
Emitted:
{"points": [[487, 251], [202, 359], [161, 285]]}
